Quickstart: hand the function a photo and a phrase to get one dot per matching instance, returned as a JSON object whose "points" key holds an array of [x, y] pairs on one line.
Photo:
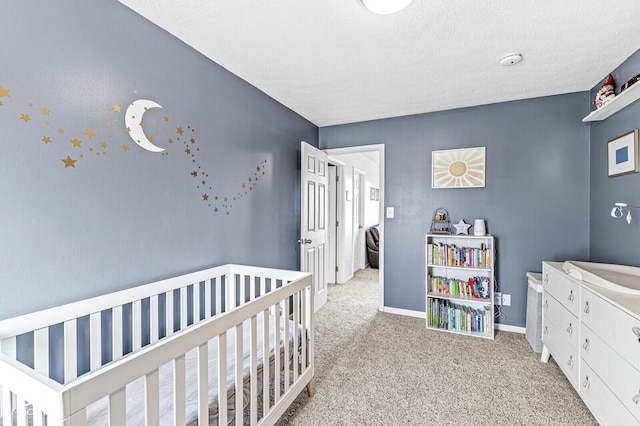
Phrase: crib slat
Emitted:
{"points": [[38, 416], [154, 308], [41, 351], [169, 308], [252, 288], [203, 384], [196, 303], [95, 339], [152, 393], [118, 407], [239, 379], [116, 324], [207, 298], [263, 285], [296, 312], [183, 308], [136, 322], [265, 362], [285, 340], [254, 369], [70, 351], [222, 378], [21, 412], [303, 320], [278, 320], [6, 404], [218, 290], [243, 289], [231, 292], [179, 390]]}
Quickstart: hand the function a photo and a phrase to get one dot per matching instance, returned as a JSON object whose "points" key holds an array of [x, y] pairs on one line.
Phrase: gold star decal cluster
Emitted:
{"points": [[94, 140]]}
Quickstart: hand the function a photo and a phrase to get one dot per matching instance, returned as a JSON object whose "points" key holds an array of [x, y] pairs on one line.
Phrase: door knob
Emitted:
{"points": [[305, 241]]}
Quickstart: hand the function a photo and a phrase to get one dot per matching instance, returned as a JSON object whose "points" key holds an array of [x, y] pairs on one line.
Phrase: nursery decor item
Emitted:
{"points": [[440, 224], [479, 228], [622, 154], [631, 82], [458, 168], [462, 228], [606, 93]]}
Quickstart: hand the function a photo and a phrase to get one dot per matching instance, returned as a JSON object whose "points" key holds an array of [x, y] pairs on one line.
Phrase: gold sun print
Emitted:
{"points": [[458, 168]]}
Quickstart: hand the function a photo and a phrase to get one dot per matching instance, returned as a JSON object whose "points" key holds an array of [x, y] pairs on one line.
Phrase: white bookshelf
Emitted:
{"points": [[454, 304]]}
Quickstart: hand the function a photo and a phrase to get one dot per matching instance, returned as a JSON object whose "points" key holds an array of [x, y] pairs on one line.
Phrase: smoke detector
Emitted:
{"points": [[510, 59]]}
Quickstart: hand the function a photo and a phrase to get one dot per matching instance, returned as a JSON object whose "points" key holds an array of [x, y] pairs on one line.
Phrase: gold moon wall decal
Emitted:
{"points": [[133, 121]]}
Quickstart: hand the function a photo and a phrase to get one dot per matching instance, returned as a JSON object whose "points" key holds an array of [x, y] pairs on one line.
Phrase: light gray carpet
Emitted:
{"points": [[384, 369]]}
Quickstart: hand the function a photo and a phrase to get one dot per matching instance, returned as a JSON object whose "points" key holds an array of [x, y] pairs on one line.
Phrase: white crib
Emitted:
{"points": [[162, 353]]}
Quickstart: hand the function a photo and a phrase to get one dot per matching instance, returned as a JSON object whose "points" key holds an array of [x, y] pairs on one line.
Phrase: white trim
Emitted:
{"points": [[405, 312], [511, 328], [381, 160]]}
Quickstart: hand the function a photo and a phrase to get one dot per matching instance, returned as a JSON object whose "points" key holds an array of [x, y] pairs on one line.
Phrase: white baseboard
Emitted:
{"points": [[423, 315], [405, 312], [511, 328]]}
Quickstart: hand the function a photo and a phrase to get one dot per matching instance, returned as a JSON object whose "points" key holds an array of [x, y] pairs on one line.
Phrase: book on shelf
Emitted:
{"points": [[446, 315], [463, 257], [472, 288]]}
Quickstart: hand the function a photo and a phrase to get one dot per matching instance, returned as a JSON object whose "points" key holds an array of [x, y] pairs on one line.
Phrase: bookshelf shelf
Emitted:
{"points": [[459, 284]]}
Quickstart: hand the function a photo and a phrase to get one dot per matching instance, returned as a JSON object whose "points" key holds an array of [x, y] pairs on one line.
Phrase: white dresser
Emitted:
{"points": [[593, 335]]}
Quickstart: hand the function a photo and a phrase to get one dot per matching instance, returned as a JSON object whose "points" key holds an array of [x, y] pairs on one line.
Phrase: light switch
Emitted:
{"points": [[390, 213]]}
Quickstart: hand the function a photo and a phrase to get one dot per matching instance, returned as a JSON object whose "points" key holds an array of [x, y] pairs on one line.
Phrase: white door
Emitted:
{"points": [[357, 221], [313, 218]]}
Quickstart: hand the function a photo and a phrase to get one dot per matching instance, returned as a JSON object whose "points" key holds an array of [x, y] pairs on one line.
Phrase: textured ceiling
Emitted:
{"points": [[334, 62]]}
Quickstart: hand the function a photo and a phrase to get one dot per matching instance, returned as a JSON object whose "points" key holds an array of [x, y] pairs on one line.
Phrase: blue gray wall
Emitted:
{"points": [[613, 240], [123, 218], [535, 201]]}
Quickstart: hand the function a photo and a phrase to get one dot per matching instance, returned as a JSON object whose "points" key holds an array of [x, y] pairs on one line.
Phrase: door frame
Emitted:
{"points": [[381, 206]]}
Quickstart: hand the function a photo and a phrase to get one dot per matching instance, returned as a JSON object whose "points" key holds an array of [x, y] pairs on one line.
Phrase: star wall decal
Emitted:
{"points": [[4, 92], [25, 117], [69, 162]]}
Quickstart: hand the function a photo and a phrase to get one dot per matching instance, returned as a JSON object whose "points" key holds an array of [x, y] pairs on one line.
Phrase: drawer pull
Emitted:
{"points": [[586, 383], [570, 296], [636, 399], [586, 308], [546, 278], [570, 362], [546, 330], [636, 331], [570, 329], [546, 305], [587, 344]]}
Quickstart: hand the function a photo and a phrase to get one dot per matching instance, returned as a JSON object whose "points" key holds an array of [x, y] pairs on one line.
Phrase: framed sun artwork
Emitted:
{"points": [[458, 168]]}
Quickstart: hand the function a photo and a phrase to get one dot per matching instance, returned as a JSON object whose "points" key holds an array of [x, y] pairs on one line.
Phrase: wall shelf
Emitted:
{"points": [[618, 103]]}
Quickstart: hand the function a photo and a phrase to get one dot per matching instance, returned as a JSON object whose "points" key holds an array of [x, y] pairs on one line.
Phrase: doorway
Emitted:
{"points": [[360, 169]]}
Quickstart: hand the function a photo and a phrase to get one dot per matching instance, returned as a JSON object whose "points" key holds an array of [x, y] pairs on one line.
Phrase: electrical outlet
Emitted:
{"points": [[497, 298], [506, 299]]}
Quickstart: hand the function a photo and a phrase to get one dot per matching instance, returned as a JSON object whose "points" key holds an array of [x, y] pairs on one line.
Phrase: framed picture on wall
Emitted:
{"points": [[458, 168], [622, 154], [372, 194]]}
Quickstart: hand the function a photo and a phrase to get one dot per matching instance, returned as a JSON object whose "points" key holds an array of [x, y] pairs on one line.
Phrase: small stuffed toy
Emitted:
{"points": [[606, 93], [631, 82]]}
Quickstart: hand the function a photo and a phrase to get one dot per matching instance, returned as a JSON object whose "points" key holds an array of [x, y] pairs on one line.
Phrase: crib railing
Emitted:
{"points": [[111, 340]]}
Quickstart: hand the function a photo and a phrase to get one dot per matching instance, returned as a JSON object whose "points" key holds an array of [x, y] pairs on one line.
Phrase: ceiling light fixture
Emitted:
{"points": [[510, 59], [386, 7]]}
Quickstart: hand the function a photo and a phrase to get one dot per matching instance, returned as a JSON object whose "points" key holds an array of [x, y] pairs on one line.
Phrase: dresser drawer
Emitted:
{"points": [[558, 316], [606, 408], [614, 326], [562, 288], [621, 378], [564, 355]]}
